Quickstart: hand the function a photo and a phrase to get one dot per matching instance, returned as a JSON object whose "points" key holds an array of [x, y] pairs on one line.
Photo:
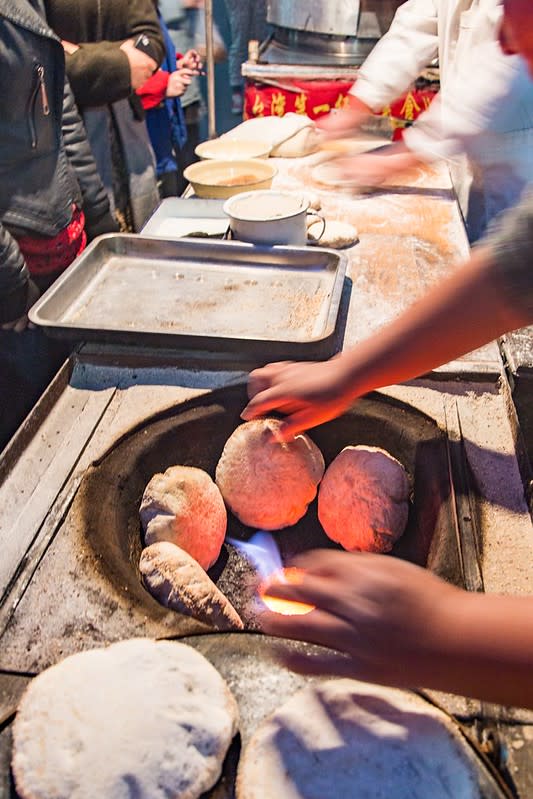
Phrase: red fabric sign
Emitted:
{"points": [[319, 97]]}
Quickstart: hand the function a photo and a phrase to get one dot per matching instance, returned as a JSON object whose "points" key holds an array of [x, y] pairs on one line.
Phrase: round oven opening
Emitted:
{"points": [[194, 434]]}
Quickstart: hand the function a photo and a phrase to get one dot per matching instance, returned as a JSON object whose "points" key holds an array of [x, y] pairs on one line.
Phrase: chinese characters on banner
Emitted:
{"points": [[316, 98]]}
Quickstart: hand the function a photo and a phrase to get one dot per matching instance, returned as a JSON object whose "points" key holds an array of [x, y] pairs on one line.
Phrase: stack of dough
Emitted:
{"points": [[363, 502], [141, 718], [343, 738], [268, 484]]}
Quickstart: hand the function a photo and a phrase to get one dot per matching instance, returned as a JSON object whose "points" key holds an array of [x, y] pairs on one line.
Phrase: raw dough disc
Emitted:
{"points": [[343, 738], [139, 718], [336, 234]]}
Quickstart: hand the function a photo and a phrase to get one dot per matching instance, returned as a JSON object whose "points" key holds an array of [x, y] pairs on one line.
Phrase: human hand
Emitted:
{"points": [[346, 121], [178, 82], [20, 324], [142, 66], [191, 60], [309, 393], [69, 47], [390, 618]]}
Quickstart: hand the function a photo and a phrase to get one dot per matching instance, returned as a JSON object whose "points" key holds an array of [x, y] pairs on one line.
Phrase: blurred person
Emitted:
{"points": [[481, 121], [51, 202], [105, 67], [180, 19], [247, 21], [396, 623], [165, 120]]}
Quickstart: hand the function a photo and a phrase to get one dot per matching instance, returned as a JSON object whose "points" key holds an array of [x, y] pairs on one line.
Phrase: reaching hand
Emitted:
{"points": [[342, 123], [191, 60], [142, 66], [309, 393], [178, 82], [389, 617]]}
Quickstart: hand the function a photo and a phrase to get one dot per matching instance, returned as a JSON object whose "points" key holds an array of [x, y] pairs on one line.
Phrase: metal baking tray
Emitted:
{"points": [[176, 217], [199, 294]]}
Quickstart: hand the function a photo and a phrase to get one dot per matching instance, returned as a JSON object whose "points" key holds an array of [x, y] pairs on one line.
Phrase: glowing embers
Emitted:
{"points": [[264, 554]]}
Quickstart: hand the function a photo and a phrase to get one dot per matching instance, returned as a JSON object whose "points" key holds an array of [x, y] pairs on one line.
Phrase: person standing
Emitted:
{"points": [[51, 202], [247, 21], [481, 121], [105, 67]]}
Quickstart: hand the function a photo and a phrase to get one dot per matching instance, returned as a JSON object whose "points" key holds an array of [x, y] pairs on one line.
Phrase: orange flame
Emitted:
{"points": [[284, 606]]}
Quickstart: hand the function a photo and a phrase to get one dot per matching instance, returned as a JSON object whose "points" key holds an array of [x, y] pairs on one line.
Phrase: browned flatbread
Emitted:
{"points": [[178, 582]]}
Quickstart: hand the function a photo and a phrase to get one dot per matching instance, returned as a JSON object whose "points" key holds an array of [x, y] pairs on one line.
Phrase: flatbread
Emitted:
{"points": [[139, 718], [336, 234], [363, 501], [185, 507], [178, 582], [268, 484], [343, 738]]}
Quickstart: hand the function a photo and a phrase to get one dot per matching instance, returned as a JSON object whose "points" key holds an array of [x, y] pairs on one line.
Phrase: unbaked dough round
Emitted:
{"points": [[343, 738], [178, 582], [363, 499], [140, 718], [185, 507], [268, 484], [336, 234]]}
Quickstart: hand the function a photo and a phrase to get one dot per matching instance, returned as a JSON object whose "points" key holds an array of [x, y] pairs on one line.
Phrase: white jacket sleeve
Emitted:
{"points": [[491, 94], [410, 44]]}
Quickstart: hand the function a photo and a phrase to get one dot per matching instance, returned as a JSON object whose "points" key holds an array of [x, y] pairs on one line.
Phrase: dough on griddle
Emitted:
{"points": [[343, 738], [178, 582], [185, 507], [363, 502], [143, 718], [336, 234], [268, 484]]}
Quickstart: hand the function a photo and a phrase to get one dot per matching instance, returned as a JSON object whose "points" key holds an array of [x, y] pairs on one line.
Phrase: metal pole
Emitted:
{"points": [[210, 66]]}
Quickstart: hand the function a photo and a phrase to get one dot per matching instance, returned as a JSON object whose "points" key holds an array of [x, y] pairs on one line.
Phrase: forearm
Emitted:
{"points": [[485, 650], [398, 58], [460, 314]]}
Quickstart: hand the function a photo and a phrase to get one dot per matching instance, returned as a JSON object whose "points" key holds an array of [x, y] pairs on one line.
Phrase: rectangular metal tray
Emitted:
{"points": [[176, 217], [197, 293]]}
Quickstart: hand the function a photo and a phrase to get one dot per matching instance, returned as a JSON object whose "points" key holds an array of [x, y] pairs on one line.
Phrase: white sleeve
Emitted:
{"points": [[410, 44], [492, 93]]}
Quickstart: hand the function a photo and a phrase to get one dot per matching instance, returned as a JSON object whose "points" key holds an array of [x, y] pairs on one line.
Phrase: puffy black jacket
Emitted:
{"points": [[42, 142]]}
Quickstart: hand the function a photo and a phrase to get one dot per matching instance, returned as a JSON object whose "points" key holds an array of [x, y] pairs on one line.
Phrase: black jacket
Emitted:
{"points": [[42, 143]]}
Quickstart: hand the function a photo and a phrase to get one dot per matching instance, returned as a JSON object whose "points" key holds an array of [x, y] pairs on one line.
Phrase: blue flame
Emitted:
{"points": [[262, 551]]}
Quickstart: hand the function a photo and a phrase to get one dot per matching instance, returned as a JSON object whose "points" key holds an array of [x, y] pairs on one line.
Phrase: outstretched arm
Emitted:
{"points": [[398, 624], [469, 309]]}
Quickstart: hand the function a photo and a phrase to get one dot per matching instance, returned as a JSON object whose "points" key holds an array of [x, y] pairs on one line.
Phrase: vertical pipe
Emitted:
{"points": [[210, 58]]}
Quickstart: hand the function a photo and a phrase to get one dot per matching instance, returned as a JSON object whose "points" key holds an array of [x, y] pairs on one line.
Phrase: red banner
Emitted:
{"points": [[316, 98]]}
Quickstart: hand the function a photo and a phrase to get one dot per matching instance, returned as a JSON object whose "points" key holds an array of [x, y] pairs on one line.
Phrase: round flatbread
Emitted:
{"points": [[185, 507], [268, 483], [346, 738], [363, 502], [336, 234], [140, 718]]}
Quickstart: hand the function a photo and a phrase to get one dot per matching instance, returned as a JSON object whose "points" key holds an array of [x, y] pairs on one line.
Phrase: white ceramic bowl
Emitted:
{"points": [[222, 179], [228, 149]]}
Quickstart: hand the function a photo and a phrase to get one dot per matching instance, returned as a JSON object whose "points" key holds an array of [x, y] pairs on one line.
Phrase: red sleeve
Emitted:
{"points": [[153, 92]]}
